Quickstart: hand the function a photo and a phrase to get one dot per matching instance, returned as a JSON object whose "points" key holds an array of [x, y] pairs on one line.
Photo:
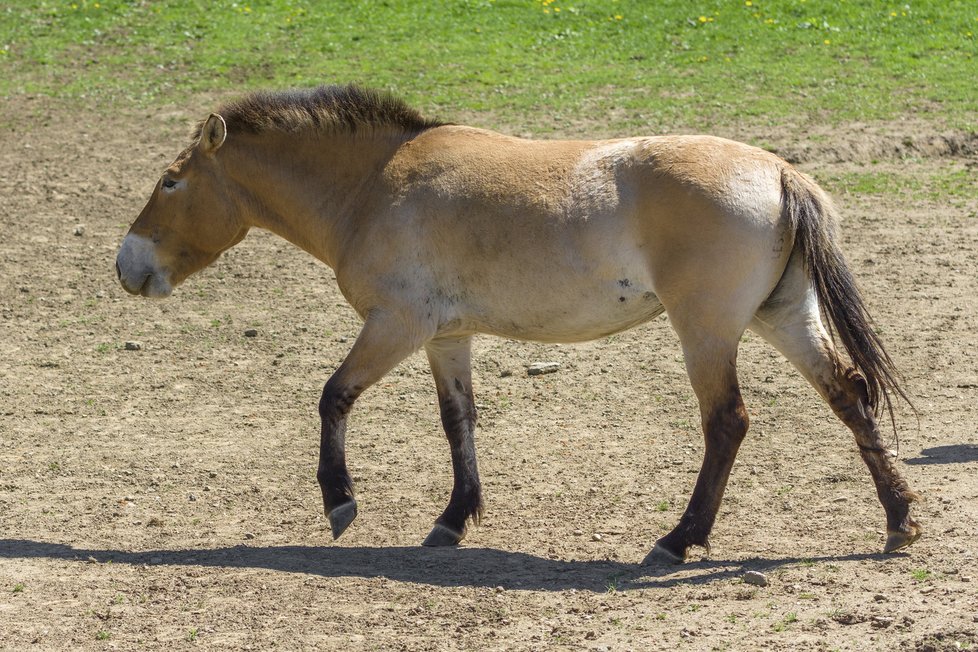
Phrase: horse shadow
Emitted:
{"points": [[952, 454], [442, 567]]}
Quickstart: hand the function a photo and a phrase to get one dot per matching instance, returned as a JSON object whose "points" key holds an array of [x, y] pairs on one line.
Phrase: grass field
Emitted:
{"points": [[539, 64]]}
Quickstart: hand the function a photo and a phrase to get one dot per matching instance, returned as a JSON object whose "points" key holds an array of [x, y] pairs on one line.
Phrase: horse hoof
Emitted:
{"points": [[341, 516], [443, 536], [662, 555], [900, 540]]}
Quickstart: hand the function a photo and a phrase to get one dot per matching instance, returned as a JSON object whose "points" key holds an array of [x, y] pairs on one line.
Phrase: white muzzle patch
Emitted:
{"points": [[139, 269]]}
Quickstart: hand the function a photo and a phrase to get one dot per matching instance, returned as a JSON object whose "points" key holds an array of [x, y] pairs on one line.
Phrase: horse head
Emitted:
{"points": [[191, 218]]}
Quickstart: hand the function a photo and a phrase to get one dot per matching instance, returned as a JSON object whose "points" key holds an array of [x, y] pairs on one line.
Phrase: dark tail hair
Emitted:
{"points": [[813, 221]]}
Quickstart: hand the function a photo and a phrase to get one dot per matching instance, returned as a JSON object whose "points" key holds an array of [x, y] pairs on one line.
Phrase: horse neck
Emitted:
{"points": [[308, 189]]}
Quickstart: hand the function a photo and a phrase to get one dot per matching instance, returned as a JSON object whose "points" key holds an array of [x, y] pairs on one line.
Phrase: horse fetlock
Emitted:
{"points": [[341, 516]]}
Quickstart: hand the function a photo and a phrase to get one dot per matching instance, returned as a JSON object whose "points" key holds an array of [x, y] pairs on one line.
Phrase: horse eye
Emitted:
{"points": [[169, 183]]}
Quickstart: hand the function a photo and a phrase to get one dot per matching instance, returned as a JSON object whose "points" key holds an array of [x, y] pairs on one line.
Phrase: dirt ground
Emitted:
{"points": [[163, 494]]}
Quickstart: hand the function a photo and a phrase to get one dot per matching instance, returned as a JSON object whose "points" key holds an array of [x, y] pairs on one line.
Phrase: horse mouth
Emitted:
{"points": [[149, 285]]}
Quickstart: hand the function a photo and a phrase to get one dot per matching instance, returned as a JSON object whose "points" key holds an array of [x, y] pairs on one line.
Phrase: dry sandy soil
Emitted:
{"points": [[165, 495]]}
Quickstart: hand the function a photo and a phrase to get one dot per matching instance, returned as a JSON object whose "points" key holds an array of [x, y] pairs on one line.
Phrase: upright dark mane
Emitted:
{"points": [[326, 109]]}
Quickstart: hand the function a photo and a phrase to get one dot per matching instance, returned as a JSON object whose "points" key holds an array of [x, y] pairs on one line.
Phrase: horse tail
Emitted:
{"points": [[812, 218]]}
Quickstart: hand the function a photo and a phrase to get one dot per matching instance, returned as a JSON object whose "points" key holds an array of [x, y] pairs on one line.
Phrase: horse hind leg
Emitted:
{"points": [[793, 327], [711, 365]]}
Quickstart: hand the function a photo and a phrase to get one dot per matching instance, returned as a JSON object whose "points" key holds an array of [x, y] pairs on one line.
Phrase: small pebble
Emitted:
{"points": [[538, 368], [192, 497], [596, 537], [505, 373], [249, 536], [133, 346], [79, 229], [251, 332], [754, 578]]}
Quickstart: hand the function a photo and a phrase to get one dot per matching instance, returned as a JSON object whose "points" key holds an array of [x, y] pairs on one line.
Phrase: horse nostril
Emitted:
{"points": [[118, 272]]}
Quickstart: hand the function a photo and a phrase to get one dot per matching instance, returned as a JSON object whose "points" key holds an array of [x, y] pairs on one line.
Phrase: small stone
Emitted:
{"points": [[133, 346], [881, 622], [596, 537], [249, 536], [251, 332], [754, 578], [192, 497], [578, 532], [505, 373], [79, 229], [539, 368]]}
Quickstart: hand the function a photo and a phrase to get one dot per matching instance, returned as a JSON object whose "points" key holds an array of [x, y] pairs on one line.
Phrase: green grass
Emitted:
{"points": [[948, 184], [542, 64]]}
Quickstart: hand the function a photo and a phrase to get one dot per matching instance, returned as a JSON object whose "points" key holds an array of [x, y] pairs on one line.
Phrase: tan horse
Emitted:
{"points": [[437, 232]]}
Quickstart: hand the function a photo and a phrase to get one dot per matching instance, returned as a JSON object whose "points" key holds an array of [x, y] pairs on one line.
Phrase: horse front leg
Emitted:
{"points": [[451, 368], [712, 372], [381, 344]]}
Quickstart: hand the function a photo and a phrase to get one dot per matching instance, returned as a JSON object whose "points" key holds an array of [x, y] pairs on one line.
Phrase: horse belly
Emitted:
{"points": [[562, 311]]}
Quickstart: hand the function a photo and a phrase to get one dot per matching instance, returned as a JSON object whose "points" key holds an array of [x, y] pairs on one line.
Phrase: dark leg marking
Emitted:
{"points": [[851, 405], [333, 476], [458, 416], [725, 429]]}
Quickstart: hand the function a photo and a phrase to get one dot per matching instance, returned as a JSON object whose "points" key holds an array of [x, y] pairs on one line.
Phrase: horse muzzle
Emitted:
{"points": [[138, 268]]}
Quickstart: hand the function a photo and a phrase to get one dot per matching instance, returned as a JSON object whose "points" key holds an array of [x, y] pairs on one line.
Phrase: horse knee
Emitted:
{"points": [[336, 401], [728, 423], [849, 399]]}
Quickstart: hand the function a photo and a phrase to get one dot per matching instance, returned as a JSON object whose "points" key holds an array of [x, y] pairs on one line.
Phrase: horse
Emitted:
{"points": [[437, 232]]}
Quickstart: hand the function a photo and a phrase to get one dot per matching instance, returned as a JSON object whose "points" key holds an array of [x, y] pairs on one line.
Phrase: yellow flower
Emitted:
{"points": [[749, 3], [827, 42], [617, 16], [702, 19]]}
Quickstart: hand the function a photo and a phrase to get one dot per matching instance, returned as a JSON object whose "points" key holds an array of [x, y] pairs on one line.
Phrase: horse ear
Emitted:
{"points": [[213, 134]]}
